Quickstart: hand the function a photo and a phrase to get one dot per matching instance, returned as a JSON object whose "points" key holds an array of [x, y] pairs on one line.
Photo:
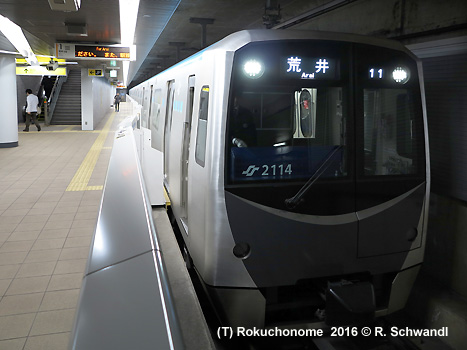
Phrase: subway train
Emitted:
{"points": [[297, 166]]}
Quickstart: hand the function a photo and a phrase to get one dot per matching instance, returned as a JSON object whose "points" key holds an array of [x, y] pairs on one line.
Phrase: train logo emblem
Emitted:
{"points": [[250, 171]]}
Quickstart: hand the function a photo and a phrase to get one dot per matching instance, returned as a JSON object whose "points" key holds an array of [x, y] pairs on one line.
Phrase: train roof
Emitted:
{"points": [[238, 39]]}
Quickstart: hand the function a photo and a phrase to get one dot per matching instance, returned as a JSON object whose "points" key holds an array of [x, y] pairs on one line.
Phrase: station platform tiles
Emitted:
{"points": [[50, 193]]}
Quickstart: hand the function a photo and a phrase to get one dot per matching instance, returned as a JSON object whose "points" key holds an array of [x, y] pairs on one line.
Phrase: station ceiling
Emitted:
{"points": [[166, 31]]}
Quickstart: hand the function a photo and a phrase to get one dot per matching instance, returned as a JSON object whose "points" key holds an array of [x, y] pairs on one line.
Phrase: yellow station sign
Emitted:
{"points": [[23, 69], [95, 72]]}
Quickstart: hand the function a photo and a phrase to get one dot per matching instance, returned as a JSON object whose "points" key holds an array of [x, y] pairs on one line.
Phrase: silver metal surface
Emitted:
{"points": [[210, 240], [125, 300], [120, 309], [123, 227]]}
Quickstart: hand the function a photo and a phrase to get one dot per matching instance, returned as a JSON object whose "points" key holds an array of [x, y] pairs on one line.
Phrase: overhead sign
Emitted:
{"points": [[40, 59], [95, 72], [102, 51], [39, 70], [79, 51], [23, 68]]}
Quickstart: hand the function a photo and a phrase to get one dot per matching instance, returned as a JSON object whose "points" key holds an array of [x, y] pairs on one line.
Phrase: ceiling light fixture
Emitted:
{"points": [[128, 18], [16, 36], [65, 5]]}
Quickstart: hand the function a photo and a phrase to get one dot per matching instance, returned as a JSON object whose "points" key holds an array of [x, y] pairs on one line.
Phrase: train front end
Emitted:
{"points": [[326, 182]]}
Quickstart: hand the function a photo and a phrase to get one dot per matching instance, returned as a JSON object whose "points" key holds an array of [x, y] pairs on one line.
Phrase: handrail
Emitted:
{"points": [[52, 102]]}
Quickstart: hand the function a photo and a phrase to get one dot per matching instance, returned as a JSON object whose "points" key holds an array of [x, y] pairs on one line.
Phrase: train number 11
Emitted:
{"points": [[379, 73]]}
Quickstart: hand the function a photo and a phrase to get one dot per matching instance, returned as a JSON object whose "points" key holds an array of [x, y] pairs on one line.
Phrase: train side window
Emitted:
{"points": [[201, 134], [156, 109]]}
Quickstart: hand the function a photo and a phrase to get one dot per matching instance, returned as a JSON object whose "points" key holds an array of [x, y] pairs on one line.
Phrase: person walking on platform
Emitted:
{"points": [[31, 110], [117, 100]]}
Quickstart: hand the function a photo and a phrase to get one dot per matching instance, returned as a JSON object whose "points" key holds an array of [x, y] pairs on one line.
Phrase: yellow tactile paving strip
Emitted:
{"points": [[83, 174], [69, 128]]}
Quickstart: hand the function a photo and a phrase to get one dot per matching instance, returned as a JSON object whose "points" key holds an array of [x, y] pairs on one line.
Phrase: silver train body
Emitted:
{"points": [[298, 172]]}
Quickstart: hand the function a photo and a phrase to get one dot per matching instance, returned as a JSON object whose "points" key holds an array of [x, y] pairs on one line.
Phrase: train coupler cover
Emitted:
{"points": [[349, 303]]}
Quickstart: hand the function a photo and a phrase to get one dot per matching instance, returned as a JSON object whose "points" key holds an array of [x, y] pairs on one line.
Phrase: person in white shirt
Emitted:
{"points": [[31, 110]]}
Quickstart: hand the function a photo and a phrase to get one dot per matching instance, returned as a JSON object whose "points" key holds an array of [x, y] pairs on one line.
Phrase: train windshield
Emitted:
{"points": [[288, 134], [287, 115], [343, 114]]}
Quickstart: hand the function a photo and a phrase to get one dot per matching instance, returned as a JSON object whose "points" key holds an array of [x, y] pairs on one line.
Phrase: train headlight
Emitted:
{"points": [[401, 75], [253, 69]]}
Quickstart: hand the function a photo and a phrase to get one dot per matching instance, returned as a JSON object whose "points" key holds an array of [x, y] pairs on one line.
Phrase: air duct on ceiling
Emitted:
{"points": [[65, 5], [76, 29]]}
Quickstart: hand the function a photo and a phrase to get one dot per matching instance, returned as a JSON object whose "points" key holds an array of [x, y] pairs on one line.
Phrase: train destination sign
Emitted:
{"points": [[102, 51], [83, 51], [309, 67]]}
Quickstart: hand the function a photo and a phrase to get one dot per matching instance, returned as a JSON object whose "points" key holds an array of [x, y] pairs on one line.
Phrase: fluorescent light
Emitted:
{"points": [[9, 52], [16, 36], [128, 18]]}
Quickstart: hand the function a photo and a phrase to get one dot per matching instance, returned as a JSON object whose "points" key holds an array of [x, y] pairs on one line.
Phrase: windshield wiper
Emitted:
{"points": [[293, 202]]}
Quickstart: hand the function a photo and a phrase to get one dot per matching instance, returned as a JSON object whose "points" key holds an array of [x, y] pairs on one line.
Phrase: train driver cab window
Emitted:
{"points": [[287, 116], [201, 134], [287, 134]]}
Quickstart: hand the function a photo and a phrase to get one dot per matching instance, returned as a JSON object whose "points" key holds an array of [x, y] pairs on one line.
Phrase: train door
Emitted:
{"points": [[150, 108], [141, 117], [168, 126], [186, 152]]}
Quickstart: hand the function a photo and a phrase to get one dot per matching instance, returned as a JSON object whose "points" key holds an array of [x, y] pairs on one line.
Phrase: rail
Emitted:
{"points": [[125, 300]]}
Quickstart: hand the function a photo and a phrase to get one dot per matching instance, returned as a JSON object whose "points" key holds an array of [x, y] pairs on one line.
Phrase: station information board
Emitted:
{"points": [[82, 51], [102, 51]]}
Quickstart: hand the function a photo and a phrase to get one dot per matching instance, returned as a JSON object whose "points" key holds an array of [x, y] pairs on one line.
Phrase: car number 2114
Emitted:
{"points": [[269, 170], [273, 170]]}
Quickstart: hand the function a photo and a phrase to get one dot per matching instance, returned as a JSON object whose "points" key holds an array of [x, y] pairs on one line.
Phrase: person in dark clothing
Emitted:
{"points": [[32, 102], [117, 100]]}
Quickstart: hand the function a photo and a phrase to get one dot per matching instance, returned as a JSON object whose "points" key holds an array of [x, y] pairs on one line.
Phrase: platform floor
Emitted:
{"points": [[50, 192]]}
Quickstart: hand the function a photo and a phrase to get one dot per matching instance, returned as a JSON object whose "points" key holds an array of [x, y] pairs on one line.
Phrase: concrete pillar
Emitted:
{"points": [[96, 98], [87, 98], [8, 112]]}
